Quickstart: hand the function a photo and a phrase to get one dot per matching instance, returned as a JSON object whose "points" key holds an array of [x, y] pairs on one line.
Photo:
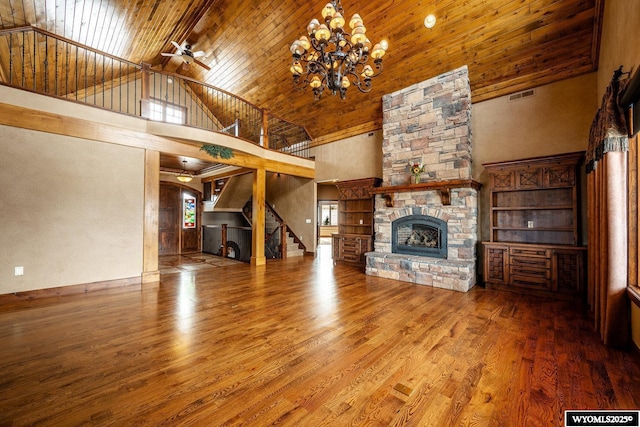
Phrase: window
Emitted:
{"points": [[155, 109], [328, 213]]}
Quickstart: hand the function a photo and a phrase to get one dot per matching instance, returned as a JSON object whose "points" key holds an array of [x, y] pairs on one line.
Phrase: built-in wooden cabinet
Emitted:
{"points": [[535, 226], [355, 220]]}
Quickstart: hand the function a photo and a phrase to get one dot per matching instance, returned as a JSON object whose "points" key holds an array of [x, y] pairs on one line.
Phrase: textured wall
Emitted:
{"points": [[70, 210]]}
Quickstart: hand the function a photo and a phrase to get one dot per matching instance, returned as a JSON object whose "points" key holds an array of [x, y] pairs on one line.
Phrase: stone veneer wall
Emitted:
{"points": [[429, 123]]}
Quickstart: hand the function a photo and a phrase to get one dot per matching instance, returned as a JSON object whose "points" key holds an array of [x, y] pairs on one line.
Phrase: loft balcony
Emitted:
{"points": [[38, 61]]}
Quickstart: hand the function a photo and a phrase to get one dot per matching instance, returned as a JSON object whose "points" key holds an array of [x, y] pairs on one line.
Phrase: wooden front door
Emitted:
{"points": [[190, 236], [175, 235]]}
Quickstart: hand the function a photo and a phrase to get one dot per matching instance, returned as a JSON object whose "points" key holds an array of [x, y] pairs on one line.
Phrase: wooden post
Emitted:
{"points": [[224, 240], [264, 142], [259, 198], [150, 272], [283, 239]]}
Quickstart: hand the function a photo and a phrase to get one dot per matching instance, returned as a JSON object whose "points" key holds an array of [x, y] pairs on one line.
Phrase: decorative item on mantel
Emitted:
{"points": [[416, 169]]}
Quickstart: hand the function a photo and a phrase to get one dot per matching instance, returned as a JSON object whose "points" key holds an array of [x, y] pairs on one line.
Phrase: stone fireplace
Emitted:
{"points": [[426, 233]]}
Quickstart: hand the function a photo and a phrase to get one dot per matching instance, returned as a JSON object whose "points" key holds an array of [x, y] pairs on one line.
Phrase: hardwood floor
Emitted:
{"points": [[303, 343]]}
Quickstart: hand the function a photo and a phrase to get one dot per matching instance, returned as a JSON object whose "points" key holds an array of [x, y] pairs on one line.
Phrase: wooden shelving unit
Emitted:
{"points": [[535, 226], [355, 220]]}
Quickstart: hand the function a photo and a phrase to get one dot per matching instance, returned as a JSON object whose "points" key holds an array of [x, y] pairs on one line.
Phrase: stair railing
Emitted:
{"points": [[46, 63]]}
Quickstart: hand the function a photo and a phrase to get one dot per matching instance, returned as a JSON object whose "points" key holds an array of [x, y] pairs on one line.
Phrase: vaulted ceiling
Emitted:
{"points": [[508, 45]]}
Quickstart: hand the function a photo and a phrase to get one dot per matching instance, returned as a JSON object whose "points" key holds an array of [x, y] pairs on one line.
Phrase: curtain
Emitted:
{"points": [[607, 219]]}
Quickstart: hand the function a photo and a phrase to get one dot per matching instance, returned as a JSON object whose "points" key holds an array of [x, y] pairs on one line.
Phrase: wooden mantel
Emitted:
{"points": [[444, 187]]}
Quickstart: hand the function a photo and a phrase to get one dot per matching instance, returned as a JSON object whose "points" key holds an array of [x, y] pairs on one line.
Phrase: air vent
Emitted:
{"points": [[523, 94]]}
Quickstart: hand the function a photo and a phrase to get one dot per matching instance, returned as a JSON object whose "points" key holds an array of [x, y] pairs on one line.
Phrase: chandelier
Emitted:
{"points": [[331, 57]]}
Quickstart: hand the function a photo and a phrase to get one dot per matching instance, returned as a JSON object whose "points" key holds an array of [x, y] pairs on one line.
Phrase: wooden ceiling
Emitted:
{"points": [[508, 45]]}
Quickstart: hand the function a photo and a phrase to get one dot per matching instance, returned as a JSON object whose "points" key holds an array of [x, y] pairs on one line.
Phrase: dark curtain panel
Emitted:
{"points": [[607, 218]]}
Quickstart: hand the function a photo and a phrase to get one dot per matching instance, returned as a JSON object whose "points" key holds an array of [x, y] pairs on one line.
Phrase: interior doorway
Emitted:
{"points": [[179, 219]]}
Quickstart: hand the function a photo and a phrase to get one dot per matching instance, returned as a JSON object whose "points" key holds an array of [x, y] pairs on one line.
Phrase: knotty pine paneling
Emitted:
{"points": [[508, 45]]}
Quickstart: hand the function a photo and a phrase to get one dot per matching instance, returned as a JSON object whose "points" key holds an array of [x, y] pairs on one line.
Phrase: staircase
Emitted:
{"points": [[273, 232], [272, 225]]}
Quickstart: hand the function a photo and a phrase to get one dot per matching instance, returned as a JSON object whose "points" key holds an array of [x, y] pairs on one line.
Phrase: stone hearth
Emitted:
{"points": [[428, 123]]}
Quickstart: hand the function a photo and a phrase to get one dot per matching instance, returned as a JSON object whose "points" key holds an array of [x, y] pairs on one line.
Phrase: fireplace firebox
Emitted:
{"points": [[419, 235]]}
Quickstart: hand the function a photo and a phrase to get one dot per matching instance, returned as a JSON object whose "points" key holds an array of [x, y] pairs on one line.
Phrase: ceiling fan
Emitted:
{"points": [[187, 55]]}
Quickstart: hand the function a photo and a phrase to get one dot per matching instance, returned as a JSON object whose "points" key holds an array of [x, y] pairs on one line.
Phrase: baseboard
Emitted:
{"points": [[128, 284]]}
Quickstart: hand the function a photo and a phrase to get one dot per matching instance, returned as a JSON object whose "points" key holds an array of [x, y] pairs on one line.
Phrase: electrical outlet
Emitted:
{"points": [[308, 220], [19, 271], [529, 224]]}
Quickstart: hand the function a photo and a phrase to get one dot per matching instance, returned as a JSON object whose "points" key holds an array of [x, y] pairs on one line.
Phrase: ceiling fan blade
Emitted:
{"points": [[170, 54], [202, 64], [197, 54], [177, 46]]}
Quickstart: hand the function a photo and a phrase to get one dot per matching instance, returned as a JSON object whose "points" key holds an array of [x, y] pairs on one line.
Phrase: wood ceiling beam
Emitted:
{"points": [[26, 118]]}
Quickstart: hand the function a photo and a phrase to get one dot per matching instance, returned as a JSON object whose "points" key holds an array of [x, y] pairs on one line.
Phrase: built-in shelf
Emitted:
{"points": [[444, 187]]}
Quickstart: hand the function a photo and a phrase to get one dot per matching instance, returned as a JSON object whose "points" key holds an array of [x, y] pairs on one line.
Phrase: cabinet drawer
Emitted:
{"points": [[530, 272], [531, 282], [529, 252], [536, 262]]}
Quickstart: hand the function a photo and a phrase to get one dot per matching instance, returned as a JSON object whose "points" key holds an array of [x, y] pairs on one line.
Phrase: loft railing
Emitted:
{"points": [[36, 60]]}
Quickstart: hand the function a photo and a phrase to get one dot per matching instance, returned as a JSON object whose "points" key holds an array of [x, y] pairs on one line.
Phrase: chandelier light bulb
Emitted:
{"points": [[337, 21], [305, 43], [328, 11], [345, 82], [315, 82], [313, 25], [355, 20], [322, 33]]}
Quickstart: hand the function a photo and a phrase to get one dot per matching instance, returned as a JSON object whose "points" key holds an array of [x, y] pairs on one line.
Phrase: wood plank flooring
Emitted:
{"points": [[303, 343]]}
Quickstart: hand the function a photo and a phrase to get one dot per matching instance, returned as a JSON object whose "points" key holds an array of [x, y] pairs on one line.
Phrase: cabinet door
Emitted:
{"points": [[495, 264], [336, 244], [502, 180], [568, 271], [529, 178], [560, 176]]}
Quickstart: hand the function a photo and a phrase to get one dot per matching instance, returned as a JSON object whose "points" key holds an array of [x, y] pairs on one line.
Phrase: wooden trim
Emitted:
{"points": [[26, 118], [634, 294], [258, 216], [444, 187], [151, 217], [129, 284], [573, 157]]}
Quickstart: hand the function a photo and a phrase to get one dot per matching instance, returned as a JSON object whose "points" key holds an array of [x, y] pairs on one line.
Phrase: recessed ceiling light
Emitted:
{"points": [[430, 21]]}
